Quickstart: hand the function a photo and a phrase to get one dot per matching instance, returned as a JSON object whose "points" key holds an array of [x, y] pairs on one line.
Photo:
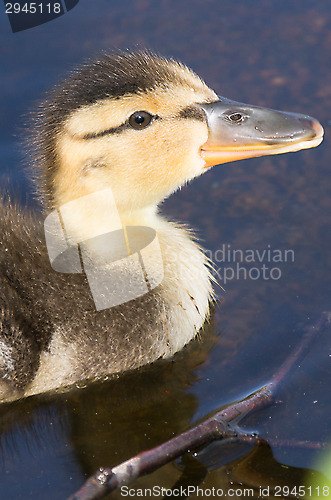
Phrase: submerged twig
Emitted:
{"points": [[223, 424]]}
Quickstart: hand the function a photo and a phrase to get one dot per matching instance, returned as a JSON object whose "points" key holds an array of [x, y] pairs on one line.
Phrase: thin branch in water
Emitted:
{"points": [[310, 332], [222, 425]]}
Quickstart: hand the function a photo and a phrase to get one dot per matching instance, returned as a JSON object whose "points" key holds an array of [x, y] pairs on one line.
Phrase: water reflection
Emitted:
{"points": [[105, 423], [66, 437]]}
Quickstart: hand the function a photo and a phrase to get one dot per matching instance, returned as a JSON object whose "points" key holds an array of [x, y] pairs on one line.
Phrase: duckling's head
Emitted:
{"points": [[143, 126], [130, 122]]}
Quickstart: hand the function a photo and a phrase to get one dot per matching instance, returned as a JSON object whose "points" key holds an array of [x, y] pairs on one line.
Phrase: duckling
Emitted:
{"points": [[110, 143]]}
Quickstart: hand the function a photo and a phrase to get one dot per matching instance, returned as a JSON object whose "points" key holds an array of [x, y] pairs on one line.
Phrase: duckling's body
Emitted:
{"points": [[138, 126], [52, 334]]}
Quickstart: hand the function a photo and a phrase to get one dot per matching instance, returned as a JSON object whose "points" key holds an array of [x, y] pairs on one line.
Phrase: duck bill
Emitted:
{"points": [[238, 131]]}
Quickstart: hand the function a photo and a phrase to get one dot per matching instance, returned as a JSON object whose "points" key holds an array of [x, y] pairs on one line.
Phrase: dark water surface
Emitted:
{"points": [[274, 54]]}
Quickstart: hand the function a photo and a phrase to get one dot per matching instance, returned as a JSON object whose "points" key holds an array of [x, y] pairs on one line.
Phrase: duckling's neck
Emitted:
{"points": [[185, 285], [145, 216]]}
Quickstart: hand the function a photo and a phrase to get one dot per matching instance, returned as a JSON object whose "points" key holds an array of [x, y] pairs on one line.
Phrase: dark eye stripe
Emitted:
{"points": [[194, 113], [109, 131], [191, 112]]}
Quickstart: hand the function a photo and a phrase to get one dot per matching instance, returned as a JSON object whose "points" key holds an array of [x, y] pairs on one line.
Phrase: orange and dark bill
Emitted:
{"points": [[238, 131]]}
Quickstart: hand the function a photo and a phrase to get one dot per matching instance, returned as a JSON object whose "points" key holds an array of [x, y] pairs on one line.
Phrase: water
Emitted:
{"points": [[274, 54]]}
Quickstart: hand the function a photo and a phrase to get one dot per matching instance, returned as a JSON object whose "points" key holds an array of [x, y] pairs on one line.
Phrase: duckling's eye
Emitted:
{"points": [[140, 119], [235, 117]]}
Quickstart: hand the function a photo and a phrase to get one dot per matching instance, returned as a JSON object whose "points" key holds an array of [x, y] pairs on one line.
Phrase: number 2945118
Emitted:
{"points": [[33, 8]]}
